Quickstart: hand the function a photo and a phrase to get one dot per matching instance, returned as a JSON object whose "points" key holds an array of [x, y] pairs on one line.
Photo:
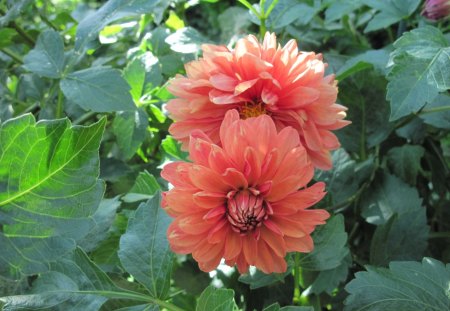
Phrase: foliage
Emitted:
{"points": [[84, 134]]}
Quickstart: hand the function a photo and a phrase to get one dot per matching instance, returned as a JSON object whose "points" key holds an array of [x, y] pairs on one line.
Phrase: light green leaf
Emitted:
{"points": [[329, 246], [214, 299], [47, 57], [376, 59], [49, 189], [404, 286], [130, 128], [61, 289], [6, 36], [404, 161], [173, 148], [143, 189], [111, 11], [419, 72], [390, 12], [100, 89], [186, 40], [144, 249]]}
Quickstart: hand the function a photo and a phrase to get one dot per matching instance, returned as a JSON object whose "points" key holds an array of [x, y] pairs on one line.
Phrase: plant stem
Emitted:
{"points": [[47, 21], [59, 105], [262, 19], [362, 140], [250, 7], [435, 109], [297, 279], [272, 5], [28, 39], [12, 54], [436, 235]]}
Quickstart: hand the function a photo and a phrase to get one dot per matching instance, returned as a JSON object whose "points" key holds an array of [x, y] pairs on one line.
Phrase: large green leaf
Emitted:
{"points": [[99, 89], [112, 10], [62, 288], [47, 57], [144, 249], [328, 280], [419, 70], [49, 189], [390, 12], [329, 246], [376, 59], [405, 162], [440, 119], [213, 299], [144, 188], [404, 286]]}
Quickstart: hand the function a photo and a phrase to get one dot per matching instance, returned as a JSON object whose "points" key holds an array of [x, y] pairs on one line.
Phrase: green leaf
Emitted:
{"points": [[173, 148], [404, 161], [62, 287], [47, 57], [186, 40], [6, 36], [103, 218], [390, 12], [130, 128], [111, 11], [144, 188], [232, 21], [389, 195], [49, 189], [213, 299], [257, 279], [14, 11], [419, 70], [329, 246], [276, 307], [100, 89], [339, 8], [144, 249], [440, 119], [376, 59], [404, 286], [328, 280]]}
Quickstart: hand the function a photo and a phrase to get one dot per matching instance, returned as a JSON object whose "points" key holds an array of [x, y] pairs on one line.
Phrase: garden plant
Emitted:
{"points": [[225, 155]]}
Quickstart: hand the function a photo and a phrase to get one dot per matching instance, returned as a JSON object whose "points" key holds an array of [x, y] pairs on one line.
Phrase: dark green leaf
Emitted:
{"points": [[404, 286], [213, 299], [440, 119], [329, 246], [404, 161], [143, 189], [99, 89], [390, 12], [130, 128], [328, 280], [14, 11], [62, 288], [144, 249], [47, 57], [340, 8], [257, 279], [48, 189], [419, 70], [376, 59]]}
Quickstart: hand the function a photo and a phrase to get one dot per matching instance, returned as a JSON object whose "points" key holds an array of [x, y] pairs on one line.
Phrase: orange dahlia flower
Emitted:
{"points": [[246, 201], [288, 85]]}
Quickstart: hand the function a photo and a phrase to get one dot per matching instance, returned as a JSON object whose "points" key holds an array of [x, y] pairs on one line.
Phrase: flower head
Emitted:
{"points": [[246, 201], [259, 78], [436, 9]]}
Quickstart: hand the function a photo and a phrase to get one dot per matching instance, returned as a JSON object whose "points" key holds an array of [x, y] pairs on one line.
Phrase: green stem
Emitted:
{"points": [[47, 21], [262, 19], [435, 109], [272, 5], [59, 105], [362, 141], [28, 39], [436, 235], [297, 280], [250, 7], [133, 296], [12, 54]]}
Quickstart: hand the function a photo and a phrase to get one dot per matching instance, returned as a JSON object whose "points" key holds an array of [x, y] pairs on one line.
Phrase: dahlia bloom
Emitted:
{"points": [[246, 201], [436, 9], [288, 85]]}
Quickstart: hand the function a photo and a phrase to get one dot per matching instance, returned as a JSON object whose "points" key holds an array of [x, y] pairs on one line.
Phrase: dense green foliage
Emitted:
{"points": [[83, 135]]}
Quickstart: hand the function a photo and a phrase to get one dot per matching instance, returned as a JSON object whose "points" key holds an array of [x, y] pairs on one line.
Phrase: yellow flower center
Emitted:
{"points": [[250, 110]]}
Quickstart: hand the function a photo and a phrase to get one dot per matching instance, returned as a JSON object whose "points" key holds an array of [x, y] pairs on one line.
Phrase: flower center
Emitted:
{"points": [[246, 210], [251, 109]]}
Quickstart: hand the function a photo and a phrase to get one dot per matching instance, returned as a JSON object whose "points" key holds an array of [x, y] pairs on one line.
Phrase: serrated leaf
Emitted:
{"points": [[111, 11], [214, 299], [390, 12], [388, 196], [130, 128], [404, 286], [419, 72], [144, 188], [62, 288], [49, 189], [144, 250], [100, 89], [47, 57], [329, 246], [404, 161]]}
